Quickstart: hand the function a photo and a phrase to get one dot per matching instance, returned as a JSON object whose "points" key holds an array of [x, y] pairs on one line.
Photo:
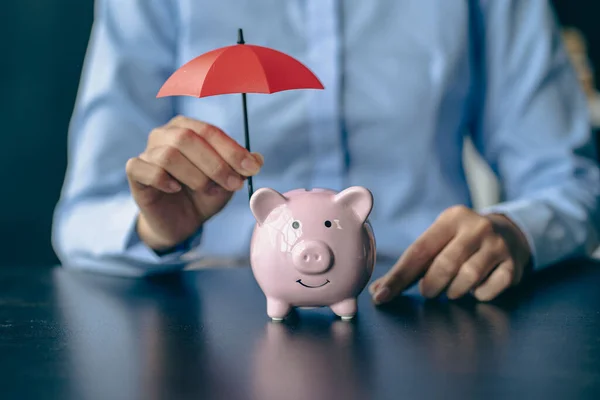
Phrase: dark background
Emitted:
{"points": [[42, 48], [585, 15]]}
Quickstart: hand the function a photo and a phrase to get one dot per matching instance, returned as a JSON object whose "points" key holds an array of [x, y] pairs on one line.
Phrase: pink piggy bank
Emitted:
{"points": [[312, 248]]}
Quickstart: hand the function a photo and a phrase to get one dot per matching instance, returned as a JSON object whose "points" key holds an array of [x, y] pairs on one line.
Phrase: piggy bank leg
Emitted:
{"points": [[277, 310], [345, 308]]}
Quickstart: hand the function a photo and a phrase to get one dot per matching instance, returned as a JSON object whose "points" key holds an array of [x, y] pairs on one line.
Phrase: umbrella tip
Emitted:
{"points": [[240, 36]]}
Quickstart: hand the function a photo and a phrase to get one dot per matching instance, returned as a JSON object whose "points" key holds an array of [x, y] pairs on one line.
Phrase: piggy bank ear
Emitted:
{"points": [[359, 199], [263, 201]]}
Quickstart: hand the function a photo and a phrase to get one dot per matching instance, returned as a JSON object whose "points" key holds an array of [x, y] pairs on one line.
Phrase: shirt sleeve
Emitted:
{"points": [[131, 54], [534, 131]]}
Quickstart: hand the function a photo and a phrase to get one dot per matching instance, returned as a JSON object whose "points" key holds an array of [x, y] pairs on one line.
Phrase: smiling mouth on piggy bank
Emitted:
{"points": [[313, 287]]}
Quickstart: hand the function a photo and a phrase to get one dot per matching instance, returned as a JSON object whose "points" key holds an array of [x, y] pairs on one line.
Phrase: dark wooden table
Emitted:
{"points": [[205, 335]]}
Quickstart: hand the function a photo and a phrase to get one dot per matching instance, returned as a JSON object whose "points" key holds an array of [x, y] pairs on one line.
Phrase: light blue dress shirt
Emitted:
{"points": [[405, 81]]}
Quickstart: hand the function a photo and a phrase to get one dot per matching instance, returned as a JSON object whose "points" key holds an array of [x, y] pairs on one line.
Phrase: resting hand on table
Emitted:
{"points": [[461, 252], [187, 173]]}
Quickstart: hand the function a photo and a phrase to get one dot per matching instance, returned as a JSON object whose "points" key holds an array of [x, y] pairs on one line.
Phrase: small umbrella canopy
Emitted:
{"points": [[240, 68]]}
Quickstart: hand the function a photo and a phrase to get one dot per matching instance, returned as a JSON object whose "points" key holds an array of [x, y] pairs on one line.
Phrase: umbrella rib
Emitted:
{"points": [[210, 70], [264, 73]]}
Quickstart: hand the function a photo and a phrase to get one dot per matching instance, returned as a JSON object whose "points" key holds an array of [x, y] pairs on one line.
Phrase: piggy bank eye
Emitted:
{"points": [[295, 224], [328, 224]]}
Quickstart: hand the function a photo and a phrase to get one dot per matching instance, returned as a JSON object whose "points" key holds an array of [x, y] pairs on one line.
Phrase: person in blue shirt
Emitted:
{"points": [[153, 184]]}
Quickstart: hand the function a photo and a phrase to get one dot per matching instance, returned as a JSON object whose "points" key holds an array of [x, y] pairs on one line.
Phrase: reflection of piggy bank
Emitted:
{"points": [[312, 248], [311, 362]]}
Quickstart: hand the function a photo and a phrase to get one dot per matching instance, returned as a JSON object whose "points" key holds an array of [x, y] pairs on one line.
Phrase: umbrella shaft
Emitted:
{"points": [[247, 140]]}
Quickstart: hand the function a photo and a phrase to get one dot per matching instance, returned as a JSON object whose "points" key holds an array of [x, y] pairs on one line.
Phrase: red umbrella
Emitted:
{"points": [[240, 68]]}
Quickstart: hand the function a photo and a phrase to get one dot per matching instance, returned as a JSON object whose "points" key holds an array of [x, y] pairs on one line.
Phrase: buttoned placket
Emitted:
{"points": [[325, 125]]}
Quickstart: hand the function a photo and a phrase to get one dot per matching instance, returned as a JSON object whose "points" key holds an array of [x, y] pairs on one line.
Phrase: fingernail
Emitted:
{"points": [[481, 295], [174, 186], [374, 287], [234, 182], [250, 164], [425, 292], [382, 295], [259, 157]]}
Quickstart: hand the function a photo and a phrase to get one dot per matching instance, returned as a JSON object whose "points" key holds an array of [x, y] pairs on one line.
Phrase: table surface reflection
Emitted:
{"points": [[205, 335]]}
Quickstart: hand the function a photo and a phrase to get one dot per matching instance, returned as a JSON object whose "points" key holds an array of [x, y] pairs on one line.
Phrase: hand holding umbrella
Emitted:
{"points": [[240, 68]]}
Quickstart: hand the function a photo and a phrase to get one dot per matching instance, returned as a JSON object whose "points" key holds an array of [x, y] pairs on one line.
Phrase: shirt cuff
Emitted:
{"points": [[532, 220], [113, 247], [136, 248]]}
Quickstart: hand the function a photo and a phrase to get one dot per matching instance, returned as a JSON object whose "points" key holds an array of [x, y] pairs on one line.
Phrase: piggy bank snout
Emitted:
{"points": [[312, 257]]}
